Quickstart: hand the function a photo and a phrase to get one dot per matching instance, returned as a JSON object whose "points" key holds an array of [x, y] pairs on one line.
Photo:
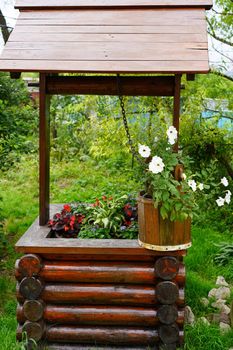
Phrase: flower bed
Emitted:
{"points": [[105, 218]]}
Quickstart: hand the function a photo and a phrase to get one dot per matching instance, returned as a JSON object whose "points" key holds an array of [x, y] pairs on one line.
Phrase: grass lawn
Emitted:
{"points": [[86, 181]]}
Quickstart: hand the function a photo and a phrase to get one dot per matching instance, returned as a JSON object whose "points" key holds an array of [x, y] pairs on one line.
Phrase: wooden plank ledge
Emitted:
{"points": [[36, 240]]}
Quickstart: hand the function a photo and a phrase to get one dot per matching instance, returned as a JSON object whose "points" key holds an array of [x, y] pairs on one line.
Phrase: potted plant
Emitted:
{"points": [[165, 206]]}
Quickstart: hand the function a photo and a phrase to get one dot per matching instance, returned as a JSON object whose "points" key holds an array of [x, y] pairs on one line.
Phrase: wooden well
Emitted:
{"points": [[79, 294], [98, 293]]}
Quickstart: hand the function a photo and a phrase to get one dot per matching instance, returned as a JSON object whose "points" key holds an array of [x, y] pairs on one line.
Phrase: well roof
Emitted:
{"points": [[110, 36]]}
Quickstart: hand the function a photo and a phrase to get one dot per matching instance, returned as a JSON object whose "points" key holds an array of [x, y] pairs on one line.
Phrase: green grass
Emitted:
{"points": [[84, 181]]}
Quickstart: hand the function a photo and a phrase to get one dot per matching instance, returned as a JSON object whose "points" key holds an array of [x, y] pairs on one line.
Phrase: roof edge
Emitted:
{"points": [[25, 5]]}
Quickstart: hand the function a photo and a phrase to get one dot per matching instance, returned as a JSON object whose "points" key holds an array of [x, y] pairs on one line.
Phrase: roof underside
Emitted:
{"points": [[101, 38]]}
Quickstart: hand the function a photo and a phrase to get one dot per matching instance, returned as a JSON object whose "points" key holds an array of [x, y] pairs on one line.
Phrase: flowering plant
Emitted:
{"points": [[164, 181], [226, 197], [105, 218], [67, 223]]}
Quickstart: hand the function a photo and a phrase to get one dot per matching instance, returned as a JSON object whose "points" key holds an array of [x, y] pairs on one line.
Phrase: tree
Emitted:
{"points": [[4, 28], [220, 28]]}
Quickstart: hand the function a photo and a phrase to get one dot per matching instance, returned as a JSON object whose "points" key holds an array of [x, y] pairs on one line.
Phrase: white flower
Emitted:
{"points": [[224, 181], [156, 165], [228, 197], [193, 185], [171, 141], [220, 201], [201, 186], [144, 151], [184, 176], [156, 139], [172, 135]]}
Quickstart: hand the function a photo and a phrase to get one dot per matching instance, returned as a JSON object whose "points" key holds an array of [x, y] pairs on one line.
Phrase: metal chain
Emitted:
{"points": [[125, 122]]}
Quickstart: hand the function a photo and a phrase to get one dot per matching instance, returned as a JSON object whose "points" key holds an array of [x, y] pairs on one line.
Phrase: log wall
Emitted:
{"points": [[68, 303]]}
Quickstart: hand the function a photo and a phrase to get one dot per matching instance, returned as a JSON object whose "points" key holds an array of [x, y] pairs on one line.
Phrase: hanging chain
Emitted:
{"points": [[125, 122]]}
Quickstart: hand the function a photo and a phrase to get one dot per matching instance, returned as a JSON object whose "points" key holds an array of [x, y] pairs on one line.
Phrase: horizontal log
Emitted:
{"points": [[34, 330], [30, 288], [167, 267], [29, 265], [107, 315], [33, 310], [168, 314], [102, 335], [103, 85], [103, 272], [97, 294], [169, 334], [167, 292]]}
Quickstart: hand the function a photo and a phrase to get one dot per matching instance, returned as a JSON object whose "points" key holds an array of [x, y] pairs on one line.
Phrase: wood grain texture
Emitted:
{"points": [[167, 292], [137, 67], [33, 310], [29, 265], [102, 335], [108, 315], [35, 241], [30, 288], [169, 334], [34, 330], [167, 41], [186, 30], [155, 231], [168, 314], [56, 37], [105, 272], [176, 109], [44, 151], [167, 267], [119, 17], [61, 4], [96, 294], [130, 86], [106, 52]]}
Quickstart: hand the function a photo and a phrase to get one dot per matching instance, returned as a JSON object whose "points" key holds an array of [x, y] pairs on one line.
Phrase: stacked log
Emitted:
{"points": [[126, 304]]}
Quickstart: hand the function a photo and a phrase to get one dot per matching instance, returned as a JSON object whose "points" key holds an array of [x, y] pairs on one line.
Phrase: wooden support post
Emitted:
{"points": [[44, 152], [176, 107]]}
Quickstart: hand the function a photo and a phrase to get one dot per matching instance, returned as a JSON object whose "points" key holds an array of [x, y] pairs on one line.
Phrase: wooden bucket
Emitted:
{"points": [[158, 234]]}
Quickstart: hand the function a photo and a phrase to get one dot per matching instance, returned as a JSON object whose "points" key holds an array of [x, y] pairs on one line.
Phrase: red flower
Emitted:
{"points": [[57, 216], [127, 222], [67, 208], [66, 228], [97, 203], [80, 218], [110, 198], [51, 222], [104, 198]]}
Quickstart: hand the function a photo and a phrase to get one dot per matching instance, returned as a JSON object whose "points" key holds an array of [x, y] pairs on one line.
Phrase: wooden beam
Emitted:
{"points": [[107, 85], [15, 75], [190, 77], [176, 107], [44, 152]]}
